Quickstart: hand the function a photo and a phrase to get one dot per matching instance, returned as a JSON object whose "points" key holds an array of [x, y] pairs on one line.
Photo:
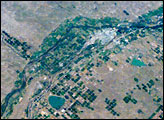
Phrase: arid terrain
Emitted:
{"points": [[110, 75]]}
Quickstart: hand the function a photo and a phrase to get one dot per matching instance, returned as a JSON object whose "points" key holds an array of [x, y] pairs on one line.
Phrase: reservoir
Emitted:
{"points": [[56, 102], [136, 62]]}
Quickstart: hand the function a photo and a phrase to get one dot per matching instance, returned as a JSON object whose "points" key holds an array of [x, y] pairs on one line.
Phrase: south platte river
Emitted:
{"points": [[56, 102]]}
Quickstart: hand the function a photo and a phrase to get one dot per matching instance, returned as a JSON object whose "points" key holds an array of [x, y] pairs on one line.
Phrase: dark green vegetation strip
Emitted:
{"points": [[15, 44], [158, 109]]}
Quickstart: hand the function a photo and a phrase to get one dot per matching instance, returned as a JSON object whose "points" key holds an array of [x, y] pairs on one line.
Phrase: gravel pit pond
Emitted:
{"points": [[56, 102], [137, 62]]}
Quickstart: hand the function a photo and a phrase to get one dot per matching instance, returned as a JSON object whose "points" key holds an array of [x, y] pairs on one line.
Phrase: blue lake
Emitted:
{"points": [[56, 102], [136, 62]]}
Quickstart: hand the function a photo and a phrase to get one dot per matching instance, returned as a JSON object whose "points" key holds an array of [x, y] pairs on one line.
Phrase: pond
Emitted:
{"points": [[137, 62], [56, 102]]}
